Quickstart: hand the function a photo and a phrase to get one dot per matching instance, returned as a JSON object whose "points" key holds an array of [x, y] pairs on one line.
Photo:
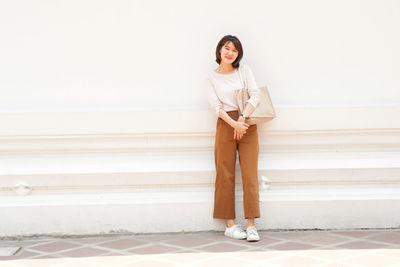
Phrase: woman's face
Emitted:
{"points": [[228, 53]]}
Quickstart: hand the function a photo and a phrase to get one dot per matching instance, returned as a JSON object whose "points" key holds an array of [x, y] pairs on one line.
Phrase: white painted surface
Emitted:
{"points": [[104, 125], [150, 212], [318, 174], [124, 54]]}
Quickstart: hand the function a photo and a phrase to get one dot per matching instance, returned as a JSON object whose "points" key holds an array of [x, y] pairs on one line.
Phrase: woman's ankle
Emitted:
{"points": [[250, 222], [229, 223]]}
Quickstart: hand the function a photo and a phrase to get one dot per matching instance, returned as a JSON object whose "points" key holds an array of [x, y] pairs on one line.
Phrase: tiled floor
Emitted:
{"points": [[376, 248]]}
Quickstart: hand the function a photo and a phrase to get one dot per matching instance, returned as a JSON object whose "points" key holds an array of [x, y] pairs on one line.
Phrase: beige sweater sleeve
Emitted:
{"points": [[212, 97], [252, 85]]}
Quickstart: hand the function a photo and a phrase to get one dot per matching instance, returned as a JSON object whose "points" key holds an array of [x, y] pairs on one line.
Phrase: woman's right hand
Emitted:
{"points": [[240, 127]]}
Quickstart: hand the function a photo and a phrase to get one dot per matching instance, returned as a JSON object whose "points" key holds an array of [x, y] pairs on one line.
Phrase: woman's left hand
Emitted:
{"points": [[237, 135]]}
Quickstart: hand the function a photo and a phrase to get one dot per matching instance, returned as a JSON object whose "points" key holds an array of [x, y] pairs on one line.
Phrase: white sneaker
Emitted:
{"points": [[235, 232], [252, 234]]}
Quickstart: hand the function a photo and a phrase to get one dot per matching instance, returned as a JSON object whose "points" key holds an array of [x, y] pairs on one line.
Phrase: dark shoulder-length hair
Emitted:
{"points": [[238, 45]]}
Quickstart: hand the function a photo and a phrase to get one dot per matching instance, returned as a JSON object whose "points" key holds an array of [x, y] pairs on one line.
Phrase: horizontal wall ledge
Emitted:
{"points": [[125, 181], [142, 212], [367, 139], [170, 170], [102, 171], [202, 195], [346, 128], [13, 124]]}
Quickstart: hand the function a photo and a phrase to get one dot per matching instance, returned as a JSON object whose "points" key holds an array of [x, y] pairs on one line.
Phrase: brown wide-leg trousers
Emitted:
{"points": [[225, 161]]}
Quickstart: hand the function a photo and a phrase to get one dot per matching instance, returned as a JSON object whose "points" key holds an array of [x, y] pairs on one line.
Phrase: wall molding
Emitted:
{"points": [[110, 164], [366, 139]]}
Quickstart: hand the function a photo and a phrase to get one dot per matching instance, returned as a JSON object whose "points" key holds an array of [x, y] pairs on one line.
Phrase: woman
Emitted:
{"points": [[233, 133]]}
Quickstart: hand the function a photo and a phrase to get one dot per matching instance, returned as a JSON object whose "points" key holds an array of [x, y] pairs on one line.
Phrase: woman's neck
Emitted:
{"points": [[225, 68]]}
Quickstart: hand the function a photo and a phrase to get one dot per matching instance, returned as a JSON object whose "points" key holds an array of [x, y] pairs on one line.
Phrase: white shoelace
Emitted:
{"points": [[252, 231]]}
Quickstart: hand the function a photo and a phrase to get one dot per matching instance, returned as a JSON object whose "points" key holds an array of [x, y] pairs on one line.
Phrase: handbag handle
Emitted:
{"points": [[244, 82]]}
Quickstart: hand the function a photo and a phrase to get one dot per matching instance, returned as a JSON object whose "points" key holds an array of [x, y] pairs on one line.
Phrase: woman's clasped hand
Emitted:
{"points": [[240, 128]]}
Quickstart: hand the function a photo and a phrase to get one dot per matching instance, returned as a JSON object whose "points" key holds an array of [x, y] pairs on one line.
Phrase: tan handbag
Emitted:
{"points": [[264, 111]]}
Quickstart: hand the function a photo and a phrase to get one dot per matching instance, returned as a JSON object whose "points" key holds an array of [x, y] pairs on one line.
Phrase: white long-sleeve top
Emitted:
{"points": [[220, 89]]}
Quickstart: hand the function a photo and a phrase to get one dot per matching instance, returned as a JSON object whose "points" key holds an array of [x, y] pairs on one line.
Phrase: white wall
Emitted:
{"points": [[153, 171], [104, 125], [69, 55]]}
